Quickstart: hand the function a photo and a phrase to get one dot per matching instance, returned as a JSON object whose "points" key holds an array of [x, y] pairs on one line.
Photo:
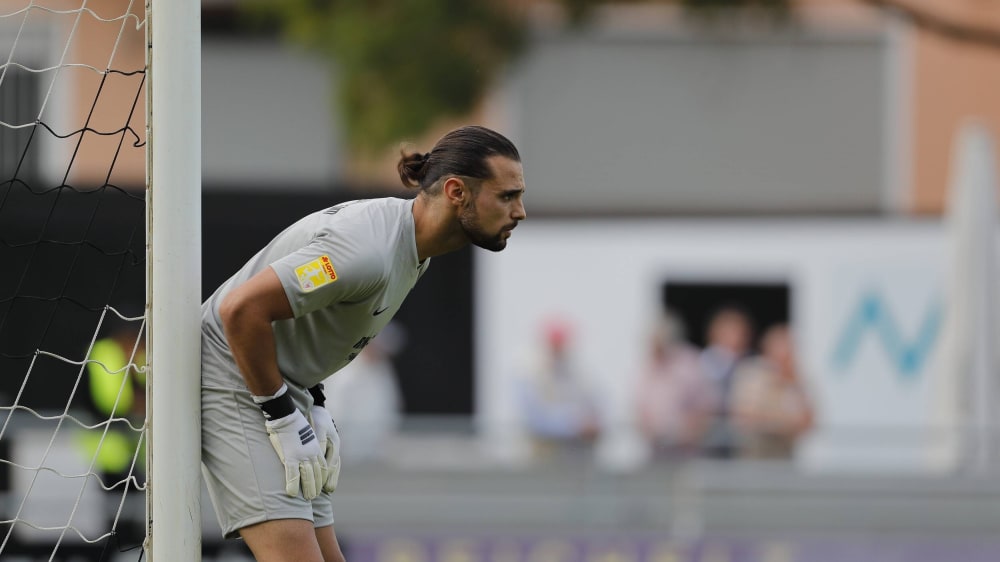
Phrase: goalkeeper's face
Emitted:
{"points": [[492, 212]]}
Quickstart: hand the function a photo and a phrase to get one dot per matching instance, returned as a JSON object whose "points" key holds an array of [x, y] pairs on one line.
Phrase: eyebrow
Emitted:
{"points": [[514, 191]]}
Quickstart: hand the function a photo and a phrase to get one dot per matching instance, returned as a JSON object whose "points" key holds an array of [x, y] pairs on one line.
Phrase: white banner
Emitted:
{"points": [[867, 308]]}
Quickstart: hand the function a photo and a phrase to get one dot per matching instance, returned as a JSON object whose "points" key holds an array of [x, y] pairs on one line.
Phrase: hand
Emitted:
{"points": [[329, 443], [295, 442]]}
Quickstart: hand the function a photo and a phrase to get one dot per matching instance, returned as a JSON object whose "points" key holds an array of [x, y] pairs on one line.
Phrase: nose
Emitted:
{"points": [[519, 212]]}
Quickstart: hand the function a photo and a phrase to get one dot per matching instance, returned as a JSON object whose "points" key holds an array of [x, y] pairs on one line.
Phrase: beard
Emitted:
{"points": [[468, 219]]}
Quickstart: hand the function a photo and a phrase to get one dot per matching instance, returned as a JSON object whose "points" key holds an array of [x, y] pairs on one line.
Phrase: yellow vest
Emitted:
{"points": [[107, 378]]}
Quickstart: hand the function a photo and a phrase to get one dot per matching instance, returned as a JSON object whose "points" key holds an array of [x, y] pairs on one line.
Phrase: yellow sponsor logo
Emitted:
{"points": [[316, 273]]}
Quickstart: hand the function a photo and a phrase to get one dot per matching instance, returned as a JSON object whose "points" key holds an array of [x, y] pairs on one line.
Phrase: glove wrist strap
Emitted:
{"points": [[319, 399], [277, 405]]}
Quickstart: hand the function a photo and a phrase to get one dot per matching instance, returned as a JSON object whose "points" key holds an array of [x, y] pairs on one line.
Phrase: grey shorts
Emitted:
{"points": [[244, 476]]}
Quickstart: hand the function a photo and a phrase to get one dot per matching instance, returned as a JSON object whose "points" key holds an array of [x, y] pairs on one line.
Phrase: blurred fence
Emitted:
{"points": [[438, 494]]}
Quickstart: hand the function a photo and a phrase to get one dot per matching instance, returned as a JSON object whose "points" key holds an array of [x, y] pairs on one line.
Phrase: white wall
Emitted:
{"points": [[875, 412]]}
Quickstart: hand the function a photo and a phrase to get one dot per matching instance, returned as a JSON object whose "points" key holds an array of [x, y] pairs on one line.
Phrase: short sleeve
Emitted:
{"points": [[328, 270]]}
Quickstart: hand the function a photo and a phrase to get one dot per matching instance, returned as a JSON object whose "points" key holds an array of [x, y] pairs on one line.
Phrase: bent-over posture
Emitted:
{"points": [[304, 307]]}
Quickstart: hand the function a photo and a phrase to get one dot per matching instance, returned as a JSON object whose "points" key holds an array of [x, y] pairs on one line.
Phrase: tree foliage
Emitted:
{"points": [[712, 10], [402, 64], [702, 10]]}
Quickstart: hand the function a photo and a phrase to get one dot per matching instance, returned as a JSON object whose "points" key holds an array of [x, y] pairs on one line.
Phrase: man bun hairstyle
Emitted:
{"points": [[462, 152], [413, 167]]}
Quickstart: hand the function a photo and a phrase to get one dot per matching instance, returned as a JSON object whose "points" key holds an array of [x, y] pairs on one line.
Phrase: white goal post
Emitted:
{"points": [[174, 280]]}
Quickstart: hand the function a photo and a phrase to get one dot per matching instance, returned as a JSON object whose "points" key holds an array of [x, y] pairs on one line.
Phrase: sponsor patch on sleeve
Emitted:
{"points": [[316, 273]]}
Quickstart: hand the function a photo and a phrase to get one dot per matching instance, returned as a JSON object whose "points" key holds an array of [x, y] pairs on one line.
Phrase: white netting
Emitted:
{"points": [[72, 283]]}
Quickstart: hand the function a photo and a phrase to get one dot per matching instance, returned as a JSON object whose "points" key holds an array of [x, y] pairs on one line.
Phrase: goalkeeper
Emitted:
{"points": [[304, 307]]}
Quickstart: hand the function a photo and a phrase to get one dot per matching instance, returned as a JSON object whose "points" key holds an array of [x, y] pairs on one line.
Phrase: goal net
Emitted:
{"points": [[72, 279]]}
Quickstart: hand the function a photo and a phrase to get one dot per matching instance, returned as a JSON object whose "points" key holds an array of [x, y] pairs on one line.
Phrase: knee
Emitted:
{"points": [[282, 540]]}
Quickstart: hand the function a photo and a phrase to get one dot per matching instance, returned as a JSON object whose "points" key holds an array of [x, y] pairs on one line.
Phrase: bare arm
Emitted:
{"points": [[246, 313]]}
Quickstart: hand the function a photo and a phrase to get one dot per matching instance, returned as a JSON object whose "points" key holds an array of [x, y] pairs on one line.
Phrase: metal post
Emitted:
{"points": [[174, 279]]}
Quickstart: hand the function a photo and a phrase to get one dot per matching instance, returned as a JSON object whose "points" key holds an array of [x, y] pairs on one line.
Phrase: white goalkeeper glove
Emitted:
{"points": [[329, 443], [328, 437], [295, 442]]}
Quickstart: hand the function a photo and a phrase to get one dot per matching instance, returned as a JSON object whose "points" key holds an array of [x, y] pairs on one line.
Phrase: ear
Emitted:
{"points": [[455, 191]]}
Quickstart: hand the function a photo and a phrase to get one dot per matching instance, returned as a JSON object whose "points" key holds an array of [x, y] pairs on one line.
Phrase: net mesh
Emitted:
{"points": [[72, 278]]}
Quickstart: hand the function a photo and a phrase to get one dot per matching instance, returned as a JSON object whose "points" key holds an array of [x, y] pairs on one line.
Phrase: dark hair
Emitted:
{"points": [[730, 309], [462, 152]]}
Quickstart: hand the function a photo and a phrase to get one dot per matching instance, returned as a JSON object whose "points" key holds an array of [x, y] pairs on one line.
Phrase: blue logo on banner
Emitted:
{"points": [[872, 315]]}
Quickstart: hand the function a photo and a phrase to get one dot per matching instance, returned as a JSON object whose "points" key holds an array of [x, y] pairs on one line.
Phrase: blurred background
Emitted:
{"points": [[751, 318]]}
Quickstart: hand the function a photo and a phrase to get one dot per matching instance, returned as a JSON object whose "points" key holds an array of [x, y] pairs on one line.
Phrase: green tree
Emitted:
{"points": [[702, 10], [402, 64], [763, 5], [713, 10]]}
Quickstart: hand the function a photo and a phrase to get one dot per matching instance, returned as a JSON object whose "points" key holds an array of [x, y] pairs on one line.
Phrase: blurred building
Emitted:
{"points": [[848, 107]]}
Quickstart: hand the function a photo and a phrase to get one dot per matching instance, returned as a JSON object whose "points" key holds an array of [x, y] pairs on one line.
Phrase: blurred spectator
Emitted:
{"points": [[364, 399], [770, 403], [675, 401], [727, 343], [117, 389], [558, 408]]}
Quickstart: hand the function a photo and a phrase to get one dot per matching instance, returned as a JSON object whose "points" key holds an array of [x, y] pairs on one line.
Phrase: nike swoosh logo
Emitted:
{"points": [[380, 311]]}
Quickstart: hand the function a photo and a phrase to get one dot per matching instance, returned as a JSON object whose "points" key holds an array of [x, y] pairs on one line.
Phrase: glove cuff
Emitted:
{"points": [[319, 399], [277, 405]]}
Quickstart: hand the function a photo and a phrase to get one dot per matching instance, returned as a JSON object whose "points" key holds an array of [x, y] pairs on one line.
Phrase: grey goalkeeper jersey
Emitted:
{"points": [[345, 270]]}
